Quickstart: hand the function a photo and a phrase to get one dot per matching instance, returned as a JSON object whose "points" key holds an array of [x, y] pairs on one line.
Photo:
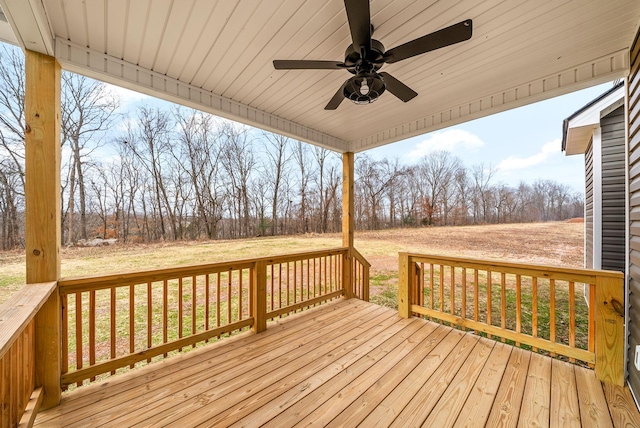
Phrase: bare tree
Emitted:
{"points": [[239, 161], [276, 169], [88, 111]]}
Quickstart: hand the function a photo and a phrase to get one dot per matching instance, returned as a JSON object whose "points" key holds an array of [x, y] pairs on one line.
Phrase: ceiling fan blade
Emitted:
{"points": [[398, 88], [337, 98], [359, 17], [286, 64], [447, 36]]}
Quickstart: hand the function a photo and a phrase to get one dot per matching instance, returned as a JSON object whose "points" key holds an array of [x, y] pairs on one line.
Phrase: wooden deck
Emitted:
{"points": [[350, 363]]}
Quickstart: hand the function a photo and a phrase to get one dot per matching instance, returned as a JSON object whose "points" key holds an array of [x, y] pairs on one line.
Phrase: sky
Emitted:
{"points": [[522, 144]]}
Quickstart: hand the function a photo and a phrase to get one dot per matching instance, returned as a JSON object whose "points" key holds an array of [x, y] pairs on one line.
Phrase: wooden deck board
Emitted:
{"points": [[350, 363], [565, 410], [506, 406]]}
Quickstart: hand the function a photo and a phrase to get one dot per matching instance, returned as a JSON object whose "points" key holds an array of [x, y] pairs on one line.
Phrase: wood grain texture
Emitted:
{"points": [[506, 406], [348, 363], [593, 405], [537, 393], [565, 410], [621, 406], [42, 210]]}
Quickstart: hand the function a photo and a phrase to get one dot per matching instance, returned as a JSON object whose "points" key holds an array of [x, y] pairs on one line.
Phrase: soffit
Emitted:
{"points": [[216, 56]]}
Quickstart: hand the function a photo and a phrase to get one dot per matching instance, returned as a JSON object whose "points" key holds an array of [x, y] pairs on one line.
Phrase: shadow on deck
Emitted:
{"points": [[348, 363]]}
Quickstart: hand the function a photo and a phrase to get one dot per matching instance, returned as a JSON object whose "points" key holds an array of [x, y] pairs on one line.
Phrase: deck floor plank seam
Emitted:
{"points": [[565, 409], [505, 410], [478, 404]]}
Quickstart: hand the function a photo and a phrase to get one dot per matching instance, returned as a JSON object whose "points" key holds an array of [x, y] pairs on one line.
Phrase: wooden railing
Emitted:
{"points": [[537, 306], [20, 392], [360, 273], [111, 323]]}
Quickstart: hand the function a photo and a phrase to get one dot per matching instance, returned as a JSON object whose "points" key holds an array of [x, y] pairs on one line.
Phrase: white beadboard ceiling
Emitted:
{"points": [[217, 56]]}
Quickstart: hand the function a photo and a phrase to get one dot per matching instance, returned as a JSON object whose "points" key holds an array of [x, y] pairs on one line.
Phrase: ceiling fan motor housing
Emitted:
{"points": [[374, 57]]}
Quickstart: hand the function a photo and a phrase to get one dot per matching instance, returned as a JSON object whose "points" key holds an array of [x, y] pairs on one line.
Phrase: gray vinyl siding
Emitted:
{"points": [[633, 302], [613, 192], [588, 207]]}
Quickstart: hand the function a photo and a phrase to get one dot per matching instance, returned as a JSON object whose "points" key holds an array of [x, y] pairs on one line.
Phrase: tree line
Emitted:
{"points": [[179, 174]]}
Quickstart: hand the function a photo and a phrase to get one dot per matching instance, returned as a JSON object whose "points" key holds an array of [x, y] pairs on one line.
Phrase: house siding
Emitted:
{"points": [[588, 207], [613, 190], [633, 107]]}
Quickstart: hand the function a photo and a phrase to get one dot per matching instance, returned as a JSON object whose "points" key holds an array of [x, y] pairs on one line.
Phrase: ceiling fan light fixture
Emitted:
{"points": [[364, 89]]}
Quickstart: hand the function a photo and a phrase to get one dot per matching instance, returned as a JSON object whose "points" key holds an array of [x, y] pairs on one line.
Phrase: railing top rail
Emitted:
{"points": [[573, 274], [70, 285], [360, 258], [20, 309]]}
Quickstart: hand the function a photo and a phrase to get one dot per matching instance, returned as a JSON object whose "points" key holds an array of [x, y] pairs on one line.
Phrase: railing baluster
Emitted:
{"points": [[272, 283], [452, 297], [431, 286], [240, 294], [592, 318], [279, 285], [503, 301], [229, 279], [295, 284], [132, 320], [180, 309], [441, 288], [149, 318], [572, 317], [534, 308], [207, 303], [518, 305], [552, 312], [475, 295], [308, 279], [112, 320], [92, 329], [193, 306], [79, 341], [463, 308], [165, 312], [64, 325], [489, 298], [218, 303]]}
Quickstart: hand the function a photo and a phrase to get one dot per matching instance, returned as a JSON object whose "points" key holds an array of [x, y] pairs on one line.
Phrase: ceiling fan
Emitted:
{"points": [[366, 56]]}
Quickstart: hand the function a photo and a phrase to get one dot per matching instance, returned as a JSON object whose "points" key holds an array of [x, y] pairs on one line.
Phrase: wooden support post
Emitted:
{"points": [[609, 334], [42, 211], [405, 274], [259, 301], [348, 222]]}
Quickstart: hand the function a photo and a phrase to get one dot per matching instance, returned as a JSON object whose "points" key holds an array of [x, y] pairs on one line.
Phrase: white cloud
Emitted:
{"points": [[451, 140], [127, 96], [547, 151]]}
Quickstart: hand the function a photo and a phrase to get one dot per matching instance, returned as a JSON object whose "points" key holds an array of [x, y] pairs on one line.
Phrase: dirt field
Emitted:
{"points": [[556, 243]]}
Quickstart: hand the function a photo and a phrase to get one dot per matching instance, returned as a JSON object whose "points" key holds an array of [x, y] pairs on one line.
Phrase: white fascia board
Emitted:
{"points": [[30, 24], [100, 66], [592, 115], [581, 127], [600, 70]]}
